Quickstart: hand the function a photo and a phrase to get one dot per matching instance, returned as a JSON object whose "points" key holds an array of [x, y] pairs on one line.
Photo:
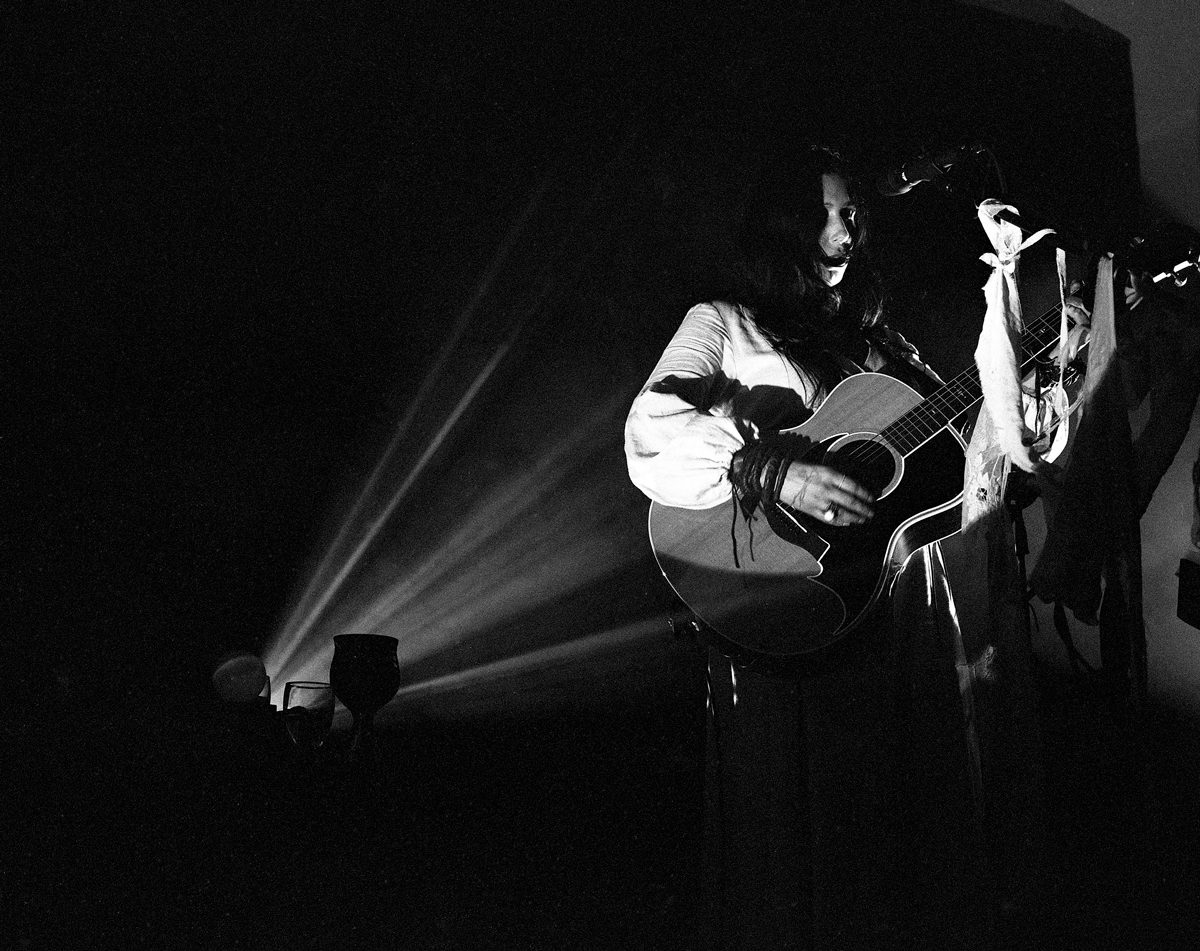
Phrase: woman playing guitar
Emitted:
{"points": [[804, 780]]}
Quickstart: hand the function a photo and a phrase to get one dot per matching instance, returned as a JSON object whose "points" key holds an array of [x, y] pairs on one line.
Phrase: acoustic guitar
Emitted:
{"points": [[784, 585]]}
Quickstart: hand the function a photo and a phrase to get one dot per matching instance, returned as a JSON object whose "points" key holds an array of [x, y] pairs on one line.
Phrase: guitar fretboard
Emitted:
{"points": [[962, 392]]}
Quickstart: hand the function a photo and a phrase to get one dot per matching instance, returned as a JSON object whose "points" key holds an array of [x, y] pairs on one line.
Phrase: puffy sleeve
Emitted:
{"points": [[680, 436]]}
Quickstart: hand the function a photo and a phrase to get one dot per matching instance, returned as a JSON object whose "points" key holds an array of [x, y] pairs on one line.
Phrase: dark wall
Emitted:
{"points": [[240, 237]]}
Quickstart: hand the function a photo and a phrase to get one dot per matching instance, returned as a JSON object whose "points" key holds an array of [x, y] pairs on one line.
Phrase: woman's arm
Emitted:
{"points": [[683, 442], [679, 438]]}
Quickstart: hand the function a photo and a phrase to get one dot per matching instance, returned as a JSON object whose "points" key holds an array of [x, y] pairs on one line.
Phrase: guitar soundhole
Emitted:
{"points": [[868, 462]]}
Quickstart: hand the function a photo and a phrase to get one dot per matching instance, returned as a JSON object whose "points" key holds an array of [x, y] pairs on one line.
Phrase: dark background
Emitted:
{"points": [[237, 240], [239, 236]]}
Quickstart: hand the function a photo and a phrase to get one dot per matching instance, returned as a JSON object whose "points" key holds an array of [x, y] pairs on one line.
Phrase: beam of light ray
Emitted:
{"points": [[519, 499], [320, 577], [529, 540], [503, 562], [571, 652], [511, 576], [380, 520], [296, 636], [551, 279]]}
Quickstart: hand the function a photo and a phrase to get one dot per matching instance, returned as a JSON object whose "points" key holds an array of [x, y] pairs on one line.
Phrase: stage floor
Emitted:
{"points": [[564, 827]]}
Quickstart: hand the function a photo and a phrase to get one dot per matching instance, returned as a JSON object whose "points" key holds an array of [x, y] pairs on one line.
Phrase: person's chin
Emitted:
{"points": [[833, 275]]}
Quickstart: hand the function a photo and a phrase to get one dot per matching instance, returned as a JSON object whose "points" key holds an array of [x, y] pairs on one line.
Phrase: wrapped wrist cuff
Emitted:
{"points": [[757, 470]]}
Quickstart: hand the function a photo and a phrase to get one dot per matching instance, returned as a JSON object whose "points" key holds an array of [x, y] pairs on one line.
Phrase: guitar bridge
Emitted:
{"points": [[792, 529]]}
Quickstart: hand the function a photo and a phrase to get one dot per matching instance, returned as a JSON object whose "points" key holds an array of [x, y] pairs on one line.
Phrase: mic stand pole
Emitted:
{"points": [[1021, 493]]}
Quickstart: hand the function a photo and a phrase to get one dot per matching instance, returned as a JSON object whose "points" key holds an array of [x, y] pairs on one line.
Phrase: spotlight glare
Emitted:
{"points": [[531, 540]]}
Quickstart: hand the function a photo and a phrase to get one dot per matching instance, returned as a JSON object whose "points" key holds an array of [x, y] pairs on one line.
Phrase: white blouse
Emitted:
{"points": [[718, 371]]}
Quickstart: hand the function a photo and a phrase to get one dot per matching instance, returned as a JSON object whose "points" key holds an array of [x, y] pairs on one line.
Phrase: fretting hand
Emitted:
{"points": [[1137, 286], [1075, 307]]}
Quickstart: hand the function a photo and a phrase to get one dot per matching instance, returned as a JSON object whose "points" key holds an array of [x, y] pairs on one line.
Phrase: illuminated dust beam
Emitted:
{"points": [[516, 577], [505, 507], [500, 582], [544, 657], [374, 529], [535, 566], [489, 519], [504, 584], [315, 665], [517, 326], [476, 545], [294, 638], [481, 290], [568, 544], [491, 593], [457, 620]]}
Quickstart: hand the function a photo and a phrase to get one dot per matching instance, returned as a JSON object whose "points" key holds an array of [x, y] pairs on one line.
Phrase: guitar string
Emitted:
{"points": [[919, 422], [963, 390], [1048, 321], [959, 394], [967, 383], [927, 418], [924, 420]]}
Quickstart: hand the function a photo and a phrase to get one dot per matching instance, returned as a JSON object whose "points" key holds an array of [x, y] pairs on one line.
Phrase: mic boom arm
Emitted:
{"points": [[924, 168]]}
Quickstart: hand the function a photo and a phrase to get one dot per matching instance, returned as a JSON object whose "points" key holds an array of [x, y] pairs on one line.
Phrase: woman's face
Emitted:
{"points": [[837, 237]]}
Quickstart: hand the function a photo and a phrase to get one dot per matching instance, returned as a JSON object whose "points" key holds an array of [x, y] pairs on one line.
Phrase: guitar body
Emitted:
{"points": [[785, 585]]}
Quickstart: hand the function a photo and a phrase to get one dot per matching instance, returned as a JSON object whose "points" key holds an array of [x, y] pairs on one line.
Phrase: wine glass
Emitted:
{"points": [[308, 713], [365, 675]]}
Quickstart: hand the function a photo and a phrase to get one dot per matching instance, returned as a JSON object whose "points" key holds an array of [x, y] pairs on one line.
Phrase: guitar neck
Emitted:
{"points": [[964, 391]]}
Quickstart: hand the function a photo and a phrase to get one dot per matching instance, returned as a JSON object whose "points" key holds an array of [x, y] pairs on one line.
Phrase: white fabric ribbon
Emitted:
{"points": [[1057, 410], [999, 340], [1103, 347]]}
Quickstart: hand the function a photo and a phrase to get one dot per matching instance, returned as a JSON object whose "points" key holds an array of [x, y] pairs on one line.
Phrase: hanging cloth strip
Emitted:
{"points": [[1049, 413], [998, 439], [1090, 516], [1091, 558]]}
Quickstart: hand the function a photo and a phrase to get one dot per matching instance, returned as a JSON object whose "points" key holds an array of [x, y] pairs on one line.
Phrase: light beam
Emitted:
{"points": [[456, 584]]}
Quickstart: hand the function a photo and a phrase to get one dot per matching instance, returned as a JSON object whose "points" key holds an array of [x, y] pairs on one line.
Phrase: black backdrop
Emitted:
{"points": [[239, 236]]}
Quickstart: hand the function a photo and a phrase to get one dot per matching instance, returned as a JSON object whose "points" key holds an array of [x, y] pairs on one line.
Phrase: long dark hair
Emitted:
{"points": [[775, 276]]}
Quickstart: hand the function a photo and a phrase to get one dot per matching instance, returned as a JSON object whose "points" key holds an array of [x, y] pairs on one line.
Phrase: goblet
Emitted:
{"points": [[308, 713], [365, 674]]}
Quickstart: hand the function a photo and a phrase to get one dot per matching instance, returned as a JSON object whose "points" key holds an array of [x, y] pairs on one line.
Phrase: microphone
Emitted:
{"points": [[924, 168]]}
